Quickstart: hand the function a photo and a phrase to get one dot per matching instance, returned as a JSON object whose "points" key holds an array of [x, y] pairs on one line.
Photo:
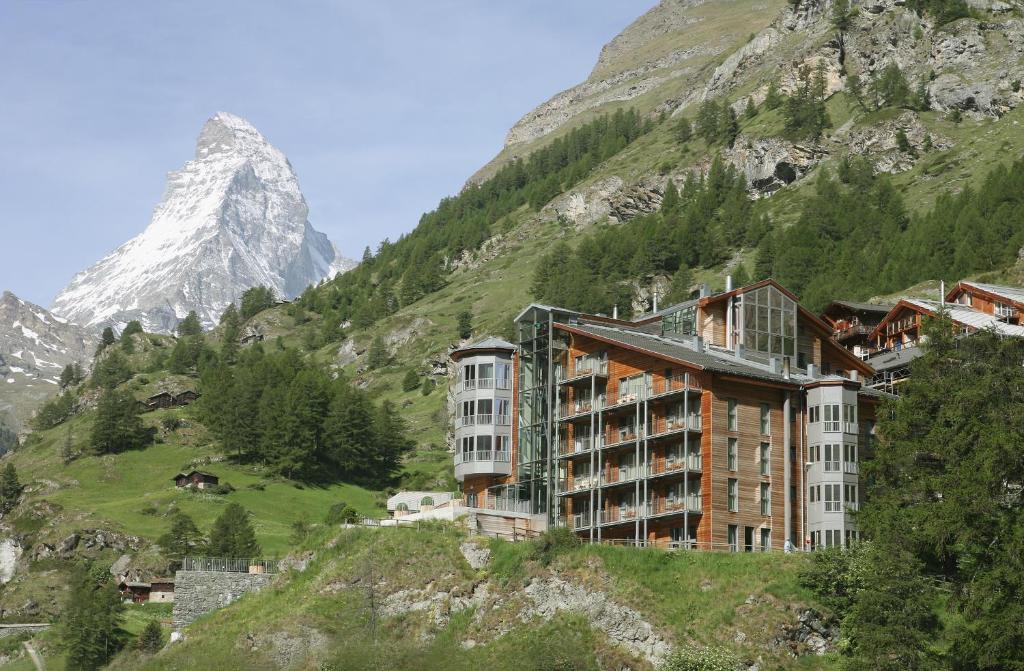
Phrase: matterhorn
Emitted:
{"points": [[232, 218]]}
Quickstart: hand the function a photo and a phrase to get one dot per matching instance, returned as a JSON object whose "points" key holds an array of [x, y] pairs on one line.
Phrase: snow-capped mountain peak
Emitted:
{"points": [[231, 218]]}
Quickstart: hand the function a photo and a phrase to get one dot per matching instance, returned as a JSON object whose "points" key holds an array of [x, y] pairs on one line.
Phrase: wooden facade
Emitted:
{"points": [[195, 480]]}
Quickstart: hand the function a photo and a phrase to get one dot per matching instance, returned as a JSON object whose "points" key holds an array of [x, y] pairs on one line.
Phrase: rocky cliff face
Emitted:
{"points": [[683, 52], [230, 219], [35, 346]]}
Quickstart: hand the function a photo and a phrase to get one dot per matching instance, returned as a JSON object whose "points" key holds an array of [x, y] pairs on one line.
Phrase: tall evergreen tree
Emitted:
{"points": [[465, 324], [230, 323], [117, 426], [378, 355], [10, 488], [90, 620], [182, 539], [190, 325], [233, 536]]}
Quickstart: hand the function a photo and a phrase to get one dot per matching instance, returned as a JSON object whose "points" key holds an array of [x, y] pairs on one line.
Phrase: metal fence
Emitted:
{"points": [[226, 565]]}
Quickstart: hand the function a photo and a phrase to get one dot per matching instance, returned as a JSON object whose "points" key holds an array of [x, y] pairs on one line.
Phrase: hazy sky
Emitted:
{"points": [[383, 107]]}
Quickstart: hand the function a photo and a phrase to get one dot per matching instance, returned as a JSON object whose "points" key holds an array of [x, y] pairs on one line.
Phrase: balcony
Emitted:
{"points": [[663, 507], [568, 486], [575, 522], [618, 515], [578, 408], [673, 385], [621, 475], [584, 371], [566, 448], [485, 383], [482, 462], [663, 468]]}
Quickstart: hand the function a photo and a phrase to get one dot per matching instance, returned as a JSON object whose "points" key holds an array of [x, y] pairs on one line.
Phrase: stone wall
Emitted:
{"points": [[199, 592], [17, 629]]}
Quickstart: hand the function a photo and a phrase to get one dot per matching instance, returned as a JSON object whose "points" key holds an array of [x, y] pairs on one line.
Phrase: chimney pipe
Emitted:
{"points": [[728, 283], [615, 311], [654, 297], [785, 367], [942, 292]]}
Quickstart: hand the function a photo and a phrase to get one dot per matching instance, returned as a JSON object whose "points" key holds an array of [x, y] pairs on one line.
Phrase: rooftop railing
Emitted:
{"points": [[229, 565]]}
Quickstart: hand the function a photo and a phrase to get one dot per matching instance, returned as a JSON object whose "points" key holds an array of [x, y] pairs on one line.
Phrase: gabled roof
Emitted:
{"points": [[682, 352], [1007, 294], [879, 308], [190, 473], [487, 343], [963, 315]]}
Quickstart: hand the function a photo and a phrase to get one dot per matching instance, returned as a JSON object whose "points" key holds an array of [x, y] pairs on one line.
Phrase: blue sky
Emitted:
{"points": [[383, 107]]}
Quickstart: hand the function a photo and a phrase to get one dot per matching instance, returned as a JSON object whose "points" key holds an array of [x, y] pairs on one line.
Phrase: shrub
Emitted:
{"points": [[151, 638], [171, 423], [553, 542], [691, 658], [341, 513], [220, 489]]}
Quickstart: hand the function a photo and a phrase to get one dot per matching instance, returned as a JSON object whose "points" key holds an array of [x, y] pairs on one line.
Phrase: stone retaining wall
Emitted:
{"points": [[16, 629], [199, 592]]}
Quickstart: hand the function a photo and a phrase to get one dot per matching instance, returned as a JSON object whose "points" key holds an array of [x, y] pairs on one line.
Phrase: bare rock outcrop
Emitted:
{"points": [[768, 164], [622, 625]]}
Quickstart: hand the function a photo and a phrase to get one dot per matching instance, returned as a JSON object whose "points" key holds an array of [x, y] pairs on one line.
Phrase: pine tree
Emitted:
{"points": [[230, 324], [256, 300], [130, 329], [679, 289], [10, 488], [107, 338], [751, 109], [683, 130], [233, 536], [378, 355], [427, 387], [67, 449], [111, 370], [411, 381], [190, 325], [465, 320], [764, 266], [773, 99], [90, 620], [151, 638], [182, 539], [117, 426]]}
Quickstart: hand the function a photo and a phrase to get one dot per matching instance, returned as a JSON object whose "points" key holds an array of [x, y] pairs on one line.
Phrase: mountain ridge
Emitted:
{"points": [[231, 218]]}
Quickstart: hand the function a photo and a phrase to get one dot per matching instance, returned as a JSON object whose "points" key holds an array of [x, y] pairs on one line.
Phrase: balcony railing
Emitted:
{"points": [[667, 506], [579, 407], [618, 514], [483, 455], [851, 467], [485, 419], [831, 427], [576, 484], [486, 383]]}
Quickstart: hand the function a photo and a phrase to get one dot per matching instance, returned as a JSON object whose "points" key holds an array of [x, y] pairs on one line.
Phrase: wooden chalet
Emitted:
{"points": [[185, 397], [166, 399], [195, 480], [852, 324]]}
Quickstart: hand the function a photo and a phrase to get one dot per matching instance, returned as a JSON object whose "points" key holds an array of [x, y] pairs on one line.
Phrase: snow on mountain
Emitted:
{"points": [[230, 219], [35, 345]]}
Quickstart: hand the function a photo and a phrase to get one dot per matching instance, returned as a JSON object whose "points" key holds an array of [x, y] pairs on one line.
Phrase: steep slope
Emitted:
{"points": [[231, 218], [34, 346]]}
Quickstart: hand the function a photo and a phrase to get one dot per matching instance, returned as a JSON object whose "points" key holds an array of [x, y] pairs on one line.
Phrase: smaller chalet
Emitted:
{"points": [[852, 324], [159, 590], [166, 399], [195, 480]]}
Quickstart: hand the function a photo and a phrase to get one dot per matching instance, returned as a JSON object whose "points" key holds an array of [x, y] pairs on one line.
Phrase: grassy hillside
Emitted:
{"points": [[323, 618]]}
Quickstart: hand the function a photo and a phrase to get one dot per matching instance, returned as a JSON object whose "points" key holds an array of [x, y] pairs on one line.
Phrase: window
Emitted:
{"points": [[502, 411], [627, 430], [733, 422], [469, 376], [631, 388], [503, 376], [849, 418], [833, 504], [850, 458], [814, 453], [766, 451], [734, 495], [832, 457], [426, 501], [1004, 310], [801, 360], [483, 444], [850, 496], [683, 322], [501, 444], [766, 499], [485, 410], [769, 322], [813, 414], [734, 538], [832, 418], [731, 454], [766, 425], [766, 540], [811, 498]]}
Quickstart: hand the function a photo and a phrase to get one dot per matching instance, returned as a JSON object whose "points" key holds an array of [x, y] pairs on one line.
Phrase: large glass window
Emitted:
{"points": [[769, 322], [733, 420], [680, 322], [731, 454], [734, 495]]}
